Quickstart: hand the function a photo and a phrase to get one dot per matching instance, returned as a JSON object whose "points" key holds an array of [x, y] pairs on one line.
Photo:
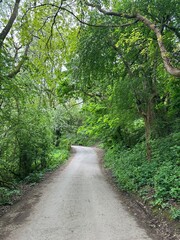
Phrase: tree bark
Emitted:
{"points": [[148, 123]]}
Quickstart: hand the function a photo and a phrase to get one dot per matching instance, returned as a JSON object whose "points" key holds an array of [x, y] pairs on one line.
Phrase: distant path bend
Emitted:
{"points": [[75, 204]]}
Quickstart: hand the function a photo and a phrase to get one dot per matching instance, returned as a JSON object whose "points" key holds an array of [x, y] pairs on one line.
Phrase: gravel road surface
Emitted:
{"points": [[75, 204]]}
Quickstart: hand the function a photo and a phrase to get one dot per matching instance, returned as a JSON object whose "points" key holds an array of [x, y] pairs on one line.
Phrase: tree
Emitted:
{"points": [[126, 59], [158, 24], [32, 55]]}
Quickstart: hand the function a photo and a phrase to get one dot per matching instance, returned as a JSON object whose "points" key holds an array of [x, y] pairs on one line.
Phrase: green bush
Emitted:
{"points": [[58, 157], [175, 213], [34, 177], [166, 182], [7, 194]]}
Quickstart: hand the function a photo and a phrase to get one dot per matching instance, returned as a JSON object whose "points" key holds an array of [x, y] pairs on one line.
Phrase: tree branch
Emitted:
{"points": [[10, 22], [164, 53], [110, 13], [53, 23], [98, 26], [21, 62]]}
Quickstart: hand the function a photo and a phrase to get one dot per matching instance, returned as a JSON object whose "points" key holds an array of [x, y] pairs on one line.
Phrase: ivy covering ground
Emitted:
{"points": [[156, 181]]}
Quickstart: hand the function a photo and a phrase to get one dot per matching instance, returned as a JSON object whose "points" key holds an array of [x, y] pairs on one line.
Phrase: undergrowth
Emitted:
{"points": [[156, 181], [57, 157]]}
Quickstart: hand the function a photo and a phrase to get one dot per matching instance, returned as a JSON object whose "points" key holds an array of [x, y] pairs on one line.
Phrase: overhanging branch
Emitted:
{"points": [[95, 25], [10, 22], [164, 53]]}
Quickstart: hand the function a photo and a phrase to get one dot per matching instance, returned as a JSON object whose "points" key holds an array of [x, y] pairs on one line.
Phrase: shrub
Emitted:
{"points": [[7, 194], [166, 183], [57, 157]]}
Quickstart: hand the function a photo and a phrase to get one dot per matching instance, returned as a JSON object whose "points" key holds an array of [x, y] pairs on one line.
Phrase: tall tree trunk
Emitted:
{"points": [[147, 112], [148, 123]]}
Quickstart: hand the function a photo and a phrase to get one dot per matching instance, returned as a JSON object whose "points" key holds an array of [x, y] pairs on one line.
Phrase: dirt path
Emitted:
{"points": [[74, 204]]}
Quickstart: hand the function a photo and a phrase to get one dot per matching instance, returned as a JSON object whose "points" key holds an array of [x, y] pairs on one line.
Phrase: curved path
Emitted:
{"points": [[75, 204]]}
